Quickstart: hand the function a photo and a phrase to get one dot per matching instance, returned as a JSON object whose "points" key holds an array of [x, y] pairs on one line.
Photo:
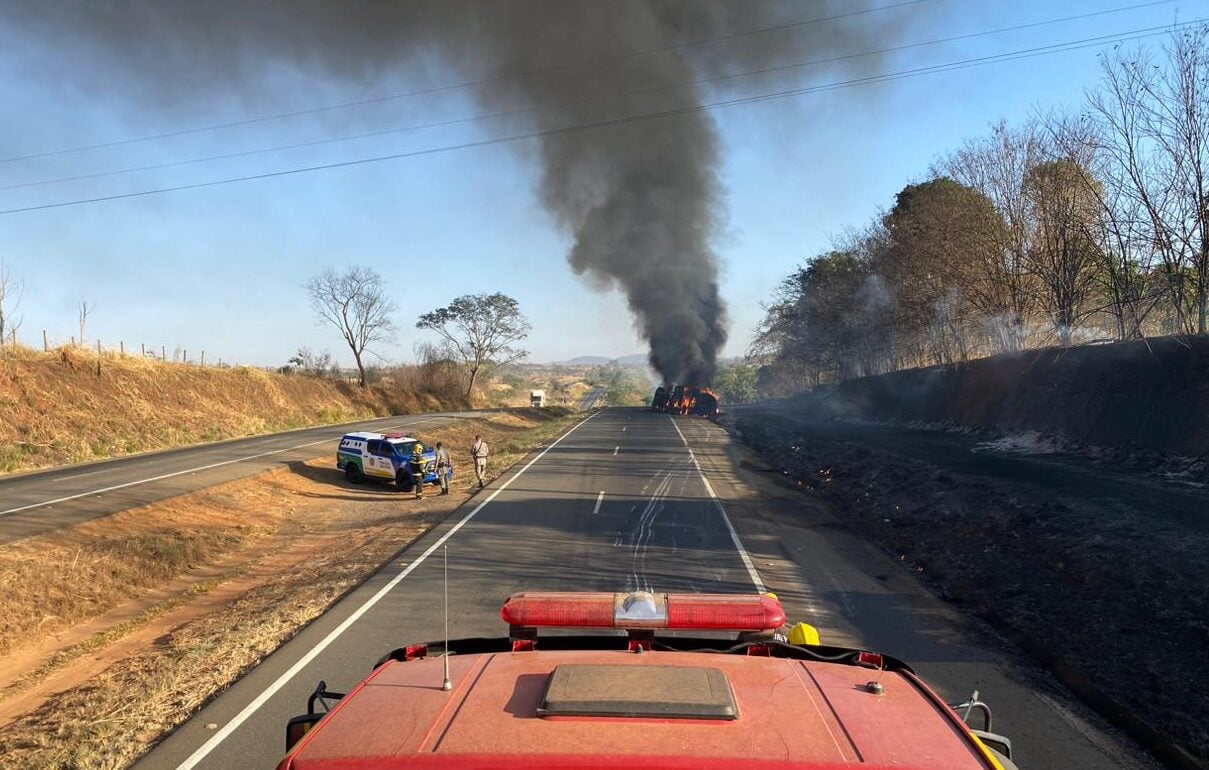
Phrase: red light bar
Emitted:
{"points": [[643, 609], [738, 612], [565, 610]]}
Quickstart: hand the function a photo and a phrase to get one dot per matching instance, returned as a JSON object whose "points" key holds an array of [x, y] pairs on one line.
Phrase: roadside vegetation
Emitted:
{"points": [[72, 405], [1080, 225], [117, 629]]}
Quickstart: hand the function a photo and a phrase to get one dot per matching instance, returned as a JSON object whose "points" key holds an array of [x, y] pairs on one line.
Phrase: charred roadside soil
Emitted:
{"points": [[1099, 571]]}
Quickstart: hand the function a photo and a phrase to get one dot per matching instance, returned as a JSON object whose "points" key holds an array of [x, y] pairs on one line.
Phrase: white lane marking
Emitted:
{"points": [[616, 449], [163, 476], [623, 427], [734, 536], [599, 498], [204, 750]]}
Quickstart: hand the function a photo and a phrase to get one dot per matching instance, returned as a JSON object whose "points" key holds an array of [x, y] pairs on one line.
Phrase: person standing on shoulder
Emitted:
{"points": [[416, 466], [478, 450], [443, 466]]}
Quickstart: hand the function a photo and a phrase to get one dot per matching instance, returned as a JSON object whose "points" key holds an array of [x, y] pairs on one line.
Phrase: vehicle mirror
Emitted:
{"points": [[298, 727]]}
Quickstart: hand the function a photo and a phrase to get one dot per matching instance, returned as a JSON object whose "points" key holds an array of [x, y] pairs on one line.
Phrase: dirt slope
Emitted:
{"points": [[66, 406]]}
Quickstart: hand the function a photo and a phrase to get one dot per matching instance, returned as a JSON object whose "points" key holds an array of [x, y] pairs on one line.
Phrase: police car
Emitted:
{"points": [[770, 697], [384, 456]]}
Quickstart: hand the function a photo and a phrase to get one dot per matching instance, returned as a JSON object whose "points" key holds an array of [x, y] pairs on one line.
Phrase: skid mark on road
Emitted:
{"points": [[638, 532], [734, 536]]}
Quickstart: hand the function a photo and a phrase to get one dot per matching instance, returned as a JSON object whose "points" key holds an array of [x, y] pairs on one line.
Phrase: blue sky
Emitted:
{"points": [[221, 269]]}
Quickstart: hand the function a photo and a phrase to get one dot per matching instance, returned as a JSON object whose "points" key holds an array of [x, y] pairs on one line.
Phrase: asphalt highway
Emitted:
{"points": [[33, 503], [626, 500]]}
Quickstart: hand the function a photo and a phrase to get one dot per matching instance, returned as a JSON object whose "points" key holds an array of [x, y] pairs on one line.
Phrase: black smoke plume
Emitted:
{"points": [[640, 199]]}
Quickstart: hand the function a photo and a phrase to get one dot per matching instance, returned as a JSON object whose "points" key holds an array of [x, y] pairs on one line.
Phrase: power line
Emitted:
{"points": [[475, 83], [1074, 45], [526, 110]]}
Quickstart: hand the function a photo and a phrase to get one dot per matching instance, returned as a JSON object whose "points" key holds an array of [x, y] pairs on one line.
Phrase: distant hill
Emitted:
{"points": [[585, 361], [637, 359]]}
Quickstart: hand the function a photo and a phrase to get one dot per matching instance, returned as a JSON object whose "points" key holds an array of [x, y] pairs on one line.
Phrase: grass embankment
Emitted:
{"points": [[118, 629], [69, 405]]}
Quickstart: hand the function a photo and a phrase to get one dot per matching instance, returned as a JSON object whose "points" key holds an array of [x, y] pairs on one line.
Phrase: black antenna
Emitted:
{"points": [[446, 685]]}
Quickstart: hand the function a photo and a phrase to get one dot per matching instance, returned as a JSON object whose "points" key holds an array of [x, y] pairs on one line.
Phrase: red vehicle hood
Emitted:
{"points": [[791, 714]]}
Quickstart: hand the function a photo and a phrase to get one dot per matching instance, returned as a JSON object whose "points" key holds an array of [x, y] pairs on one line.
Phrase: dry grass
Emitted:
{"points": [[110, 721], [56, 409], [172, 654], [82, 571]]}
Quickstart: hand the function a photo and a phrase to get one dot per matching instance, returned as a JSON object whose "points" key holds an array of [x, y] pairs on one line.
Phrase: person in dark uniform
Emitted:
{"points": [[416, 466]]}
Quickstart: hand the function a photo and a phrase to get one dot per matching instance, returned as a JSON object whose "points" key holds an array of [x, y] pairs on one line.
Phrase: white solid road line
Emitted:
{"points": [[204, 750], [599, 498], [163, 476], [734, 536], [616, 449]]}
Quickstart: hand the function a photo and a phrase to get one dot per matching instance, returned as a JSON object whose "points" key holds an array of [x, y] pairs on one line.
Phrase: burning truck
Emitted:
{"points": [[686, 399], [659, 401]]}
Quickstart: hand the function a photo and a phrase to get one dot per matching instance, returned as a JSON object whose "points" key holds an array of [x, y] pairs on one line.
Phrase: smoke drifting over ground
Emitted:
{"points": [[641, 199]]}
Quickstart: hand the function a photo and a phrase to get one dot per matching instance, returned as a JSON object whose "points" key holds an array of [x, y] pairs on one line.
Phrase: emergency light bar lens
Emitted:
{"points": [[562, 610], [725, 612], [643, 609]]}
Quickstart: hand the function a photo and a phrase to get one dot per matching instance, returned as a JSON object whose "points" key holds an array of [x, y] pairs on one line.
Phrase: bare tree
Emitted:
{"points": [[85, 311], [1003, 289], [312, 363], [1153, 122], [480, 329], [1117, 231], [355, 303], [10, 304], [1060, 194]]}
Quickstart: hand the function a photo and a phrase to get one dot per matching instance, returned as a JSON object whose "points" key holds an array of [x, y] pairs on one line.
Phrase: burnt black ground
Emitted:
{"points": [[1102, 569]]}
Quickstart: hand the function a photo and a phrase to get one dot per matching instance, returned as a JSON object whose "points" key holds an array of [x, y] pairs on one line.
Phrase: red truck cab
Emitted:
{"points": [[641, 700]]}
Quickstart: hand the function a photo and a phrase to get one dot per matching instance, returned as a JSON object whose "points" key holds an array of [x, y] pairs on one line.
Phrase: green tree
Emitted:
{"points": [[480, 329], [737, 383], [942, 234]]}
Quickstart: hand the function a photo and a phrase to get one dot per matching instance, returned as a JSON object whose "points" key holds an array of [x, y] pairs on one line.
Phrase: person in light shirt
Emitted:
{"points": [[478, 450]]}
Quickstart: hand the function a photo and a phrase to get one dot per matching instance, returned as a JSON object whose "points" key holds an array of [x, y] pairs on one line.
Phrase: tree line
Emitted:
{"points": [[1078, 225], [477, 331]]}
